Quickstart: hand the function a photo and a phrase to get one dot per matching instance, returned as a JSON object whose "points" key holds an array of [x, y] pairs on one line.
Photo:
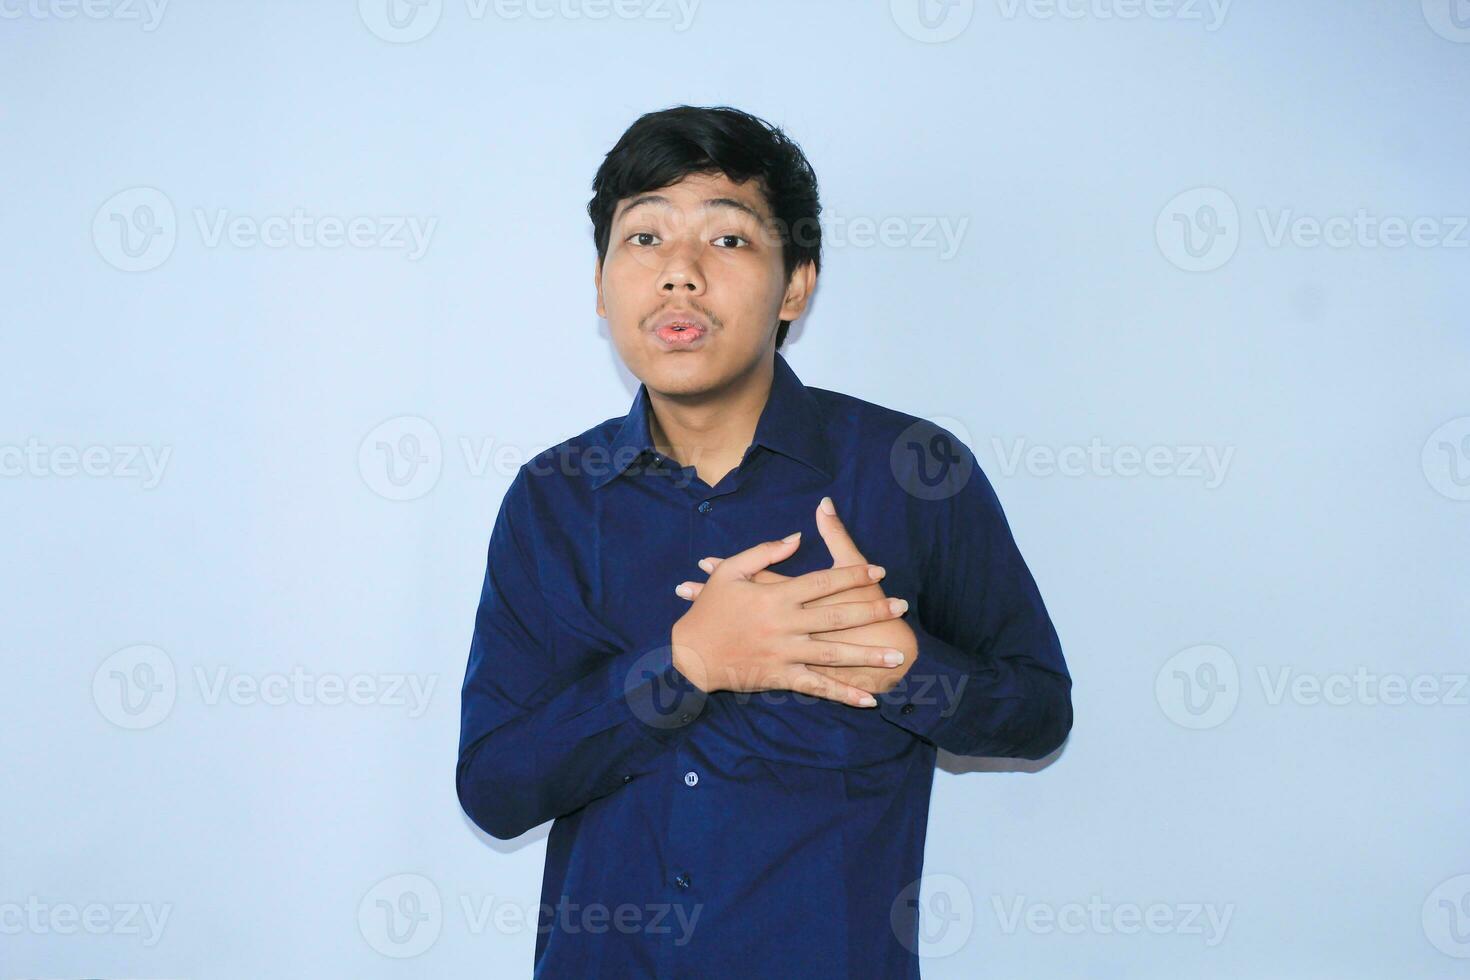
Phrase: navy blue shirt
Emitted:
{"points": [[735, 834]]}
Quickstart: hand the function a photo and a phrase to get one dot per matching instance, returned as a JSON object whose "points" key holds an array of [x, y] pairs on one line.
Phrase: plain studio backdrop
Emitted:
{"points": [[291, 290]]}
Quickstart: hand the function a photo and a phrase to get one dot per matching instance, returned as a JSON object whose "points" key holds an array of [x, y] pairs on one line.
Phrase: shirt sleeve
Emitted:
{"points": [[546, 728], [989, 678]]}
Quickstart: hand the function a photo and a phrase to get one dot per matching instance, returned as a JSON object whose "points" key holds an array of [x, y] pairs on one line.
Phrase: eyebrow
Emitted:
{"points": [[713, 202]]}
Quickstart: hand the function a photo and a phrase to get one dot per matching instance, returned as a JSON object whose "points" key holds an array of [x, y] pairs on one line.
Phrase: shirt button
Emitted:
{"points": [[628, 778], [907, 709], [705, 506], [683, 880], [691, 778]]}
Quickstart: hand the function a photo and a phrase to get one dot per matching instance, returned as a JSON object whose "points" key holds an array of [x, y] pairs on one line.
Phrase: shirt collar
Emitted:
{"points": [[791, 424]]}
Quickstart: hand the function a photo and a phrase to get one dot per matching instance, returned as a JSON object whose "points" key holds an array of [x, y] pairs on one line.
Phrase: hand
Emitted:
{"points": [[744, 635], [893, 633]]}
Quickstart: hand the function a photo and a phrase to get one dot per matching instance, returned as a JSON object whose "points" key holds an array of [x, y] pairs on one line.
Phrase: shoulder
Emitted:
{"points": [[553, 482], [926, 460]]}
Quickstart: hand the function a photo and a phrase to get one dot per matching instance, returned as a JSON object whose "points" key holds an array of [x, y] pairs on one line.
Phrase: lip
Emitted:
{"points": [[692, 322], [687, 317]]}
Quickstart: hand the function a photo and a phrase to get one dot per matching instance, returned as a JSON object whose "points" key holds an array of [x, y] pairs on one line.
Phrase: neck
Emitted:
{"points": [[711, 431]]}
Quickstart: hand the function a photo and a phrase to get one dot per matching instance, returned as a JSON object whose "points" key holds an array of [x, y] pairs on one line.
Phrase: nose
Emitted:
{"points": [[681, 274]]}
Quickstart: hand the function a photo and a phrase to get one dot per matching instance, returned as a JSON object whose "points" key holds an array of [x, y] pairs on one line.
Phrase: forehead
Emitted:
{"points": [[696, 192]]}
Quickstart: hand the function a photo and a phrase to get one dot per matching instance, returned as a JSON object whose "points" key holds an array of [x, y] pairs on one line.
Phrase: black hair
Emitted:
{"points": [[661, 148]]}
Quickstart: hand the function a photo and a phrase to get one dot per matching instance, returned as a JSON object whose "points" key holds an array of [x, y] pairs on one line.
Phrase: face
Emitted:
{"points": [[693, 286]]}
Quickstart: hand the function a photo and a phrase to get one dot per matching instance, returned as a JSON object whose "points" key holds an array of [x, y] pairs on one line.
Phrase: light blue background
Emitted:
{"points": [[1335, 378]]}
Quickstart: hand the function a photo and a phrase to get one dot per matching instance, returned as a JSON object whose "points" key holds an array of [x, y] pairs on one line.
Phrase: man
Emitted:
{"points": [[739, 772]]}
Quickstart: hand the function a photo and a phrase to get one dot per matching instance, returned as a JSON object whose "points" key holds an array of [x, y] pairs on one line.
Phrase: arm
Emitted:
{"points": [[545, 729], [990, 678]]}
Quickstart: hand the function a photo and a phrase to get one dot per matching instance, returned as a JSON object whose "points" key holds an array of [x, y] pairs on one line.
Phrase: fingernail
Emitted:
{"points": [[827, 506], [899, 606], [893, 658], [791, 537], [684, 591], [704, 564], [876, 572], [867, 701]]}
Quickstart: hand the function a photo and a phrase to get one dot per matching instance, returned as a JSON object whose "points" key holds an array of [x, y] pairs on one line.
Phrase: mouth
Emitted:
{"points": [[680, 331]]}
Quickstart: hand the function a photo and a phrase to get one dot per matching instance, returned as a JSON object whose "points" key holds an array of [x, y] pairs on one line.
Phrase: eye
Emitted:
{"points": [[642, 234], [737, 238]]}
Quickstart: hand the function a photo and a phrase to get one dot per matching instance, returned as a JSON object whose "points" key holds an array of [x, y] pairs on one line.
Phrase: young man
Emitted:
{"points": [[739, 772]]}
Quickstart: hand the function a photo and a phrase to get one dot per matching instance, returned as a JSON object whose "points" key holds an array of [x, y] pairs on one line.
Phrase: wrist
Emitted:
{"points": [[687, 662]]}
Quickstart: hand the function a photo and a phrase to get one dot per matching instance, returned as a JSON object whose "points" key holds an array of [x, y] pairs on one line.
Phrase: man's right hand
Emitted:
{"points": [[744, 635]]}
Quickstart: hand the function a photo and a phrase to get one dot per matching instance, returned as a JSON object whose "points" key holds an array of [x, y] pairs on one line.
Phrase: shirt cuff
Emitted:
{"points": [[927, 701], [663, 701]]}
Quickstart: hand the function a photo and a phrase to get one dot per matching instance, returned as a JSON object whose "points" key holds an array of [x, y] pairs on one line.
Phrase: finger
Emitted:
{"points": [[818, 685], [834, 533], [835, 653], [829, 581], [844, 615], [764, 576], [689, 590], [753, 559]]}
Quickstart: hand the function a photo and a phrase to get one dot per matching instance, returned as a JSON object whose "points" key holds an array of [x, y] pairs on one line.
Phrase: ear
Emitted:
{"points": [[798, 291], [597, 282]]}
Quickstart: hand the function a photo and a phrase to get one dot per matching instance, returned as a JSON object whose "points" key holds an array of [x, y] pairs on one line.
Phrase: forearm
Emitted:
{"points": [[587, 741], [974, 705]]}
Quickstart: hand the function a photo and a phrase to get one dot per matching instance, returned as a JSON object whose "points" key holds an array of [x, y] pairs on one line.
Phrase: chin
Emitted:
{"points": [[681, 374]]}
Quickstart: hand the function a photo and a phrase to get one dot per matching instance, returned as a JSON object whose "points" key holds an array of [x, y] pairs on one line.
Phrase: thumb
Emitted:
{"points": [[753, 559], [834, 532]]}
